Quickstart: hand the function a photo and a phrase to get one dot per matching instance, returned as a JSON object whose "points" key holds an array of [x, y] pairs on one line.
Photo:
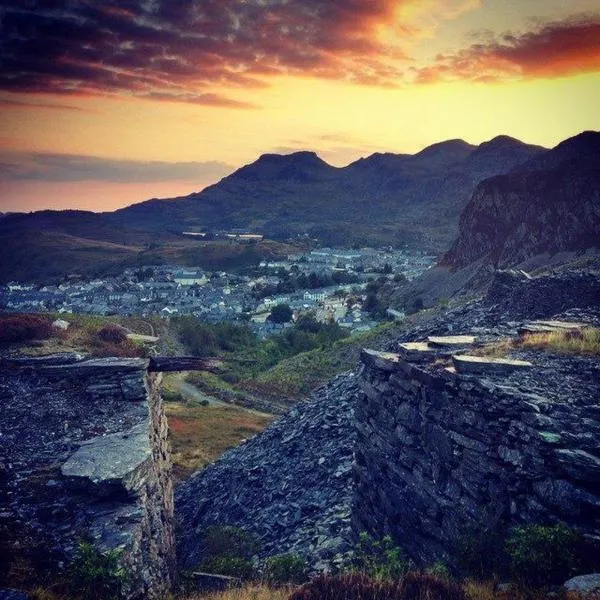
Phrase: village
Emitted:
{"points": [[331, 283]]}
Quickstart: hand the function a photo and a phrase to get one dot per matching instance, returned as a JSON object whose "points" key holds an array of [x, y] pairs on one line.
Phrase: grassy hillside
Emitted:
{"points": [[296, 377]]}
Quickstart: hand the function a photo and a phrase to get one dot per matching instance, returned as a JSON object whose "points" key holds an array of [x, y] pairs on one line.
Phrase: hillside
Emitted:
{"points": [[382, 199]]}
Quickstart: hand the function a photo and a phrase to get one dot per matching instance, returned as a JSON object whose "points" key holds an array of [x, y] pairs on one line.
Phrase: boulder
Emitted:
{"points": [[584, 584]]}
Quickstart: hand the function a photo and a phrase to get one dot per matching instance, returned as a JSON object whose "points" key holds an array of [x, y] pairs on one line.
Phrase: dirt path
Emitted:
{"points": [[191, 392]]}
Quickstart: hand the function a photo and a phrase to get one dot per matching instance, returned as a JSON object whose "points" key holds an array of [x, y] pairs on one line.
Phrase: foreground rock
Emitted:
{"points": [[584, 584], [291, 485], [84, 456]]}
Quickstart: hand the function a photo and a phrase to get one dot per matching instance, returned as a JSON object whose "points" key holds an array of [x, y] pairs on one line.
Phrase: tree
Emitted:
{"points": [[281, 313]]}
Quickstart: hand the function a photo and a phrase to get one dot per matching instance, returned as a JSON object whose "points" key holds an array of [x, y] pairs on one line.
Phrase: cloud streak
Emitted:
{"points": [[555, 49], [49, 167]]}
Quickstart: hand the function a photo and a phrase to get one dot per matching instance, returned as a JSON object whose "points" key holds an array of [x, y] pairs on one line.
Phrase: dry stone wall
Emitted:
{"points": [[84, 456], [439, 451]]}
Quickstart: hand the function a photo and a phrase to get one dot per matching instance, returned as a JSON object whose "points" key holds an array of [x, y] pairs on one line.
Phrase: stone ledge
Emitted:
{"points": [[115, 460], [450, 341], [480, 365], [384, 361]]}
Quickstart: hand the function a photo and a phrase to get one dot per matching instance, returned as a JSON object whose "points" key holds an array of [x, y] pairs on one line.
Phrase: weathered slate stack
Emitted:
{"points": [[84, 456], [443, 445]]}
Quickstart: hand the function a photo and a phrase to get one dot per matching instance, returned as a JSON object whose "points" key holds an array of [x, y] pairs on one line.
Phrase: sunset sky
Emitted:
{"points": [[108, 103]]}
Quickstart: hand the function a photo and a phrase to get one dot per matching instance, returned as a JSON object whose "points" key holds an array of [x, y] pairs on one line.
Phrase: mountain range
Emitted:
{"points": [[381, 199]]}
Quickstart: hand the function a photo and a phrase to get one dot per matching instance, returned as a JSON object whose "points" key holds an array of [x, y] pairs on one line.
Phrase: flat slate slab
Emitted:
{"points": [[385, 361], [481, 365], [550, 326], [117, 458], [415, 351], [446, 341], [584, 584]]}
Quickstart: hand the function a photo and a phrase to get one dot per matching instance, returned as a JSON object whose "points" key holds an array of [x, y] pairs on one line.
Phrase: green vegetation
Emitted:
{"points": [[228, 551], [542, 555], [97, 575], [381, 559], [281, 313], [285, 569]]}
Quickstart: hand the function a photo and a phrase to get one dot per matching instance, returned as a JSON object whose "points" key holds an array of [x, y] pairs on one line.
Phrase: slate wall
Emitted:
{"points": [[439, 452], [84, 456]]}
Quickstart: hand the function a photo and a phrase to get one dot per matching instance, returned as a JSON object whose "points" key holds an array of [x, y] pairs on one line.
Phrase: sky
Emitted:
{"points": [[103, 104]]}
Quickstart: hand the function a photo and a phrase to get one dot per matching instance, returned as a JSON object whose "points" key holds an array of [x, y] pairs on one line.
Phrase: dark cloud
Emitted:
{"points": [[182, 49], [67, 167], [554, 49]]}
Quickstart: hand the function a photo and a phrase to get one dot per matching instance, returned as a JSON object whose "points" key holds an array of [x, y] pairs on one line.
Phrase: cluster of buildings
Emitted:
{"points": [[220, 296]]}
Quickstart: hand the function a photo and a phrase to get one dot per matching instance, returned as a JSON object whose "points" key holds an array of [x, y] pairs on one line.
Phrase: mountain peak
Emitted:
{"points": [[297, 166]]}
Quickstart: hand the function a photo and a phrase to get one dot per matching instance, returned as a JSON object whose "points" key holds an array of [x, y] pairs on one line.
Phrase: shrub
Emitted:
{"points": [[358, 586], [285, 568], [112, 333], [25, 327], [542, 555], [226, 540], [97, 575], [479, 551], [380, 559]]}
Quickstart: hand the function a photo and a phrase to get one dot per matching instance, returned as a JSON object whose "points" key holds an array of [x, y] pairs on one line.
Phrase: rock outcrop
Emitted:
{"points": [[84, 456], [548, 205], [434, 450]]}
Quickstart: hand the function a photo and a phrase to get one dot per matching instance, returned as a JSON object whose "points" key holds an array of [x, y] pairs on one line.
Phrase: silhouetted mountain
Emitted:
{"points": [[548, 205], [382, 199]]}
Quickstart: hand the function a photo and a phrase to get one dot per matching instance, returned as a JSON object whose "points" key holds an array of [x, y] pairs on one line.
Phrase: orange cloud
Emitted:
{"points": [[555, 49]]}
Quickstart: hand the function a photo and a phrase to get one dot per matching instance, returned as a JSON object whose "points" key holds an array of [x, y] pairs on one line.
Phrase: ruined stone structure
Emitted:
{"points": [[443, 445], [84, 456]]}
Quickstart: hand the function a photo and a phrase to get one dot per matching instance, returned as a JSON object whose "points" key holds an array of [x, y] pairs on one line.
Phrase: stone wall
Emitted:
{"points": [[439, 451], [84, 456]]}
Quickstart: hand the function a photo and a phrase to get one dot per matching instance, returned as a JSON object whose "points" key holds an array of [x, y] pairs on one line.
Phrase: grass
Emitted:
{"points": [[583, 342], [199, 435], [249, 592], [82, 336]]}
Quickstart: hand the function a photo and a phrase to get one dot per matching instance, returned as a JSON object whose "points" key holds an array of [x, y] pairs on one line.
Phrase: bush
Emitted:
{"points": [[358, 586], [226, 540], [97, 575], [542, 555], [285, 568], [113, 334], [480, 550], [380, 559], [25, 327]]}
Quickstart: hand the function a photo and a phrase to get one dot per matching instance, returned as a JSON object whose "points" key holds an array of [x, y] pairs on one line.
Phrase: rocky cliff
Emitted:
{"points": [[84, 456], [549, 204]]}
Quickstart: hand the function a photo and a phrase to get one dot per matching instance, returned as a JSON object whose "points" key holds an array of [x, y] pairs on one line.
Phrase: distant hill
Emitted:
{"points": [[549, 204], [384, 198], [381, 199]]}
